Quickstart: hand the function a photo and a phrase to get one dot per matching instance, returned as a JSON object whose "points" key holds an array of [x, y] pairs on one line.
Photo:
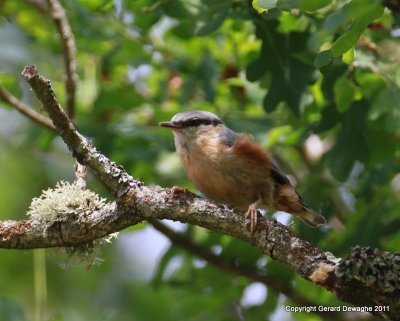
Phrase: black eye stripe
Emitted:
{"points": [[197, 122], [193, 122]]}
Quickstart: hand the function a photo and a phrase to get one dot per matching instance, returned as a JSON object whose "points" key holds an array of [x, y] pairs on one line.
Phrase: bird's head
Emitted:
{"points": [[192, 124]]}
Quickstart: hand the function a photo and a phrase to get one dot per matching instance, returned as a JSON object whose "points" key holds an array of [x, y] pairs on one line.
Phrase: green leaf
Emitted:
{"points": [[172, 252], [207, 72], [264, 5], [106, 97], [282, 56], [256, 69], [351, 144], [363, 15], [349, 56], [197, 17], [330, 73], [330, 118], [212, 17], [346, 41], [323, 58], [344, 93], [212, 24], [180, 9], [370, 83], [334, 20], [382, 146], [313, 5], [387, 105], [287, 5]]}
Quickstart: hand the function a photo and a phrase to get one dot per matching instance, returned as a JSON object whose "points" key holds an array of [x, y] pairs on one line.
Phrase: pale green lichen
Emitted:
{"points": [[371, 267], [86, 253], [332, 258], [65, 201]]}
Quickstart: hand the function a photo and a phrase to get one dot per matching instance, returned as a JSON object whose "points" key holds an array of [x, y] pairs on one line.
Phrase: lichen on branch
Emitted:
{"points": [[64, 202]]}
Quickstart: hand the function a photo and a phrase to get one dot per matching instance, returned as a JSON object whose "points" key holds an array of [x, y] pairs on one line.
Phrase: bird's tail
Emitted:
{"points": [[310, 217], [288, 200]]}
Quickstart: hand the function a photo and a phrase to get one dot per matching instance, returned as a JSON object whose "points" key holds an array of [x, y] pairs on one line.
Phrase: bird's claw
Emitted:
{"points": [[179, 190], [176, 190], [252, 215], [127, 198]]}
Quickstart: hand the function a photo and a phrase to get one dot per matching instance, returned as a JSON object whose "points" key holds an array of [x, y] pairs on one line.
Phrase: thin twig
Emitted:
{"points": [[25, 109], [69, 50], [80, 174]]}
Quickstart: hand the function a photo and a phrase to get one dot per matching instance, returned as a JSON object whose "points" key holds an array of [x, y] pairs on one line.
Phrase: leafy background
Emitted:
{"points": [[315, 81]]}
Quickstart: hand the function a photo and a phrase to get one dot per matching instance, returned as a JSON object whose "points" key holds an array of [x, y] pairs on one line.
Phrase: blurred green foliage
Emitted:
{"points": [[315, 81]]}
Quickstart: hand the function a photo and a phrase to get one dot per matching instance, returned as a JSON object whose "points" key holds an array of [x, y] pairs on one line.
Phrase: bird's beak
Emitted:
{"points": [[169, 124]]}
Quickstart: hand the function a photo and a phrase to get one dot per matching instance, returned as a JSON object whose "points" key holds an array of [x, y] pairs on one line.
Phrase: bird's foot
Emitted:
{"points": [[252, 215], [179, 190], [176, 190], [127, 198]]}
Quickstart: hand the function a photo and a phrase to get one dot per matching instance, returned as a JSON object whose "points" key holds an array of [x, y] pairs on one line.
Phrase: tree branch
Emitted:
{"points": [[25, 109], [113, 176], [67, 38], [366, 278]]}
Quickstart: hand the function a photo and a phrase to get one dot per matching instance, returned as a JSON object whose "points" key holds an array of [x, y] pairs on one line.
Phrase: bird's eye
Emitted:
{"points": [[195, 122]]}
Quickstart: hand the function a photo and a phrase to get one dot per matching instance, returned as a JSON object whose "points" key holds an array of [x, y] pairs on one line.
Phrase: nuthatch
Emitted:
{"points": [[231, 168]]}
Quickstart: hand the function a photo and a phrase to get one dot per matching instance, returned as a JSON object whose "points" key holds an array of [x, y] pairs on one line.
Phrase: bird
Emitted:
{"points": [[233, 169]]}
